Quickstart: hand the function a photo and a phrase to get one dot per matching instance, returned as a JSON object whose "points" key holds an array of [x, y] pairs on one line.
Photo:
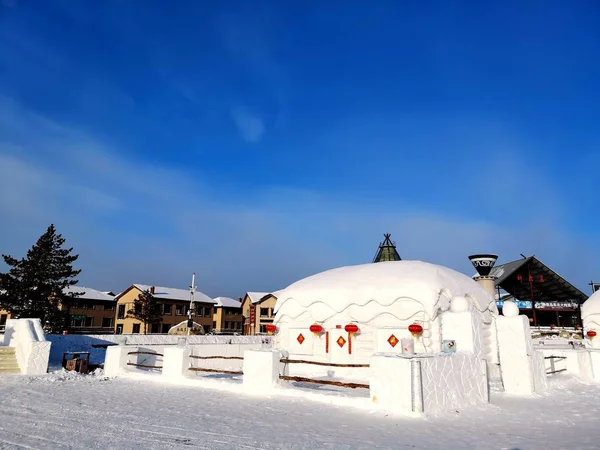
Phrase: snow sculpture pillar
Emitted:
{"points": [[116, 359], [395, 382], [261, 370], [462, 326], [523, 368], [176, 362]]}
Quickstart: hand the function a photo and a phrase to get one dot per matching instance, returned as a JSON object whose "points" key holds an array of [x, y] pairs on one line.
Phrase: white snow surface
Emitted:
{"points": [[89, 293], [168, 293], [384, 283], [227, 302], [255, 297], [65, 410]]}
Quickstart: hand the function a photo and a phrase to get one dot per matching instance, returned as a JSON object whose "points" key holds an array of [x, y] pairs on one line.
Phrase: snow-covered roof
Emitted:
{"points": [[349, 289], [256, 297], [89, 293], [167, 293], [227, 302]]}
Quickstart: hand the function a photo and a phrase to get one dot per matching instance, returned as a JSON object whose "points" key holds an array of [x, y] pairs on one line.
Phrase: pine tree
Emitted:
{"points": [[35, 285], [147, 309]]}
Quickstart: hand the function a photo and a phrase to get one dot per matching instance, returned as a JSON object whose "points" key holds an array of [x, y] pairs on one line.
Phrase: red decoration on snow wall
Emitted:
{"points": [[591, 334], [270, 329], [415, 329]]}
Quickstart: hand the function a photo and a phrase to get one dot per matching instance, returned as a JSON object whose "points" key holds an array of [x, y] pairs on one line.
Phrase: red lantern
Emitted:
{"points": [[415, 329], [351, 328], [271, 329], [541, 278], [316, 328], [519, 277], [530, 278], [591, 334]]}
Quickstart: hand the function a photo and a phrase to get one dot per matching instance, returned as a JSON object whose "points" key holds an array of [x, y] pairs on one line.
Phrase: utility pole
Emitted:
{"points": [[190, 322]]}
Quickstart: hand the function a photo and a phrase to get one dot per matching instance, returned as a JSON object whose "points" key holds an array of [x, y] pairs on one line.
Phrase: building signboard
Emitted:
{"points": [[568, 304], [522, 304], [78, 317], [252, 315]]}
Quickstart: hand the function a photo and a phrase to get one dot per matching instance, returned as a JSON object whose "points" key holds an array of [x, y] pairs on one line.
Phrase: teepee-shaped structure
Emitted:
{"points": [[387, 250]]}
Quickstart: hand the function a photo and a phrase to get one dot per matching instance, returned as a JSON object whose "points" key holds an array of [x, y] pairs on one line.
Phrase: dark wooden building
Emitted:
{"points": [[542, 294]]}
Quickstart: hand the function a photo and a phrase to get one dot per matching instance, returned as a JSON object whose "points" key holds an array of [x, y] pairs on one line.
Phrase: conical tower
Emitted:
{"points": [[387, 250]]}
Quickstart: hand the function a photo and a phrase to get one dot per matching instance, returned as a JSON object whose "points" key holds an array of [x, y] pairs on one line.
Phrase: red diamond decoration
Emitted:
{"points": [[300, 338], [341, 341], [393, 340]]}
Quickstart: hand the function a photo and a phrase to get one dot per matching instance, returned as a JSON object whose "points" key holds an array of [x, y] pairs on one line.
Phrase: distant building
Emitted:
{"points": [[541, 294], [92, 312], [227, 317], [175, 304], [387, 250], [257, 309]]}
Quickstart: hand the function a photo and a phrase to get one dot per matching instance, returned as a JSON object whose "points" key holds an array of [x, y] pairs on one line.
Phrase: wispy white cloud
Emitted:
{"points": [[133, 221], [250, 126]]}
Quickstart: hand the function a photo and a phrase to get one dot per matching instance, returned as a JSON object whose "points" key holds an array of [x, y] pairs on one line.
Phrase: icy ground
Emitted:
{"points": [[65, 410]]}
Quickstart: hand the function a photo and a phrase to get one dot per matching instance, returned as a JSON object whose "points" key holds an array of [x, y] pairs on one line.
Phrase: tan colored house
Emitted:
{"points": [[227, 318], [92, 312], [175, 303], [257, 309]]}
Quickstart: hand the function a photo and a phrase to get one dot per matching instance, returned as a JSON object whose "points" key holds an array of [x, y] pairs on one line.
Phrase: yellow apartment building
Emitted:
{"points": [[257, 309], [175, 303], [227, 317]]}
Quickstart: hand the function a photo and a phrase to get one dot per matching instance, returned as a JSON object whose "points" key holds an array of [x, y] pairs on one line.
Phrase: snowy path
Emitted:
{"points": [[66, 411]]}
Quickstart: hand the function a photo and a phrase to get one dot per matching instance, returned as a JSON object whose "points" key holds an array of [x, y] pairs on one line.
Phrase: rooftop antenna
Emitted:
{"points": [[190, 322]]}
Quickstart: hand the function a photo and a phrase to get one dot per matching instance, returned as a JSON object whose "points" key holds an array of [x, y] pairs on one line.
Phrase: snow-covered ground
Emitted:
{"points": [[66, 410]]}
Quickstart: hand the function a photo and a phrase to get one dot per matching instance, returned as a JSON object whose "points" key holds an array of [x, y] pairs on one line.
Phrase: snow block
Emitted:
{"points": [[390, 383], [521, 368], [453, 381], [116, 358], [465, 330], [261, 370], [595, 360], [31, 347], [176, 362]]}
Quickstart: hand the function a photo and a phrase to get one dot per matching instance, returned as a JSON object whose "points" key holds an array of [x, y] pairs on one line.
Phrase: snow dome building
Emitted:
{"points": [[345, 315], [590, 313]]}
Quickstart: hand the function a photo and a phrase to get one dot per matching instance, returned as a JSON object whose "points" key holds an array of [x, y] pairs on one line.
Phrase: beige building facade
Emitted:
{"points": [[175, 304], [258, 311]]}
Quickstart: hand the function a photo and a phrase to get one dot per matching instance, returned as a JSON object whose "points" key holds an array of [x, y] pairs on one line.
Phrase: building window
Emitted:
{"points": [[155, 328], [214, 324], [166, 309], [119, 329], [121, 312], [165, 328], [107, 322], [89, 321], [136, 328], [109, 307], [264, 312], [208, 311], [179, 310]]}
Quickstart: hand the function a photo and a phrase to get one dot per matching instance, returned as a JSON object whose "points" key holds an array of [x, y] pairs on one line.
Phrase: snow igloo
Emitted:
{"points": [[345, 315], [590, 315]]}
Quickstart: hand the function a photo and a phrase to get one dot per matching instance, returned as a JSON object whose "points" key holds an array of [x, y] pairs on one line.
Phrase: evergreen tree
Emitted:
{"points": [[147, 309], [35, 286]]}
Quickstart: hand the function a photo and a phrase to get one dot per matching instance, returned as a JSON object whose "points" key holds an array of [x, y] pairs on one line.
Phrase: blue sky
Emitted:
{"points": [[256, 143]]}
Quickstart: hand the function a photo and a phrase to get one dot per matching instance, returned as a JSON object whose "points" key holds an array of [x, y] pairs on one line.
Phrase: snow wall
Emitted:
{"points": [[96, 345]]}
